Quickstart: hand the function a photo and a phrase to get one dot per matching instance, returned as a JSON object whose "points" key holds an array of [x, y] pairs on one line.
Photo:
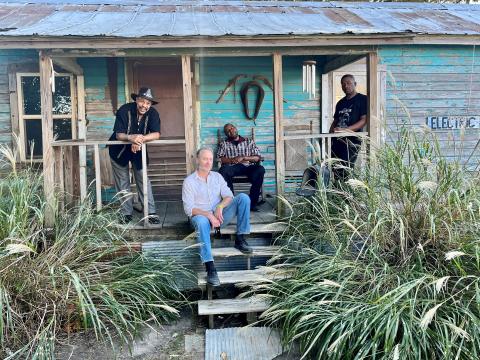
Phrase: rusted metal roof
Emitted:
{"points": [[152, 18]]}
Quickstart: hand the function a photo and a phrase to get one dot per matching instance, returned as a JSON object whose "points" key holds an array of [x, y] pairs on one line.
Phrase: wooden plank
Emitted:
{"points": [[82, 134], [146, 190], [81, 142], [188, 113], [68, 64], [68, 169], [98, 178], [14, 118], [257, 251], [325, 136], [197, 119], [231, 306], [241, 276], [372, 93], [75, 174], [210, 52], [278, 119], [31, 42], [45, 65], [270, 228], [59, 176]]}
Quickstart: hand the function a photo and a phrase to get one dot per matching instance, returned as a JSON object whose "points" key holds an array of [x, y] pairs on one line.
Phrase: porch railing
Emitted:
{"points": [[71, 169], [325, 142]]}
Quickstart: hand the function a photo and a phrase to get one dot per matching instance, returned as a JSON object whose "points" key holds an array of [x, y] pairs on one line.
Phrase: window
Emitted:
{"points": [[30, 118]]}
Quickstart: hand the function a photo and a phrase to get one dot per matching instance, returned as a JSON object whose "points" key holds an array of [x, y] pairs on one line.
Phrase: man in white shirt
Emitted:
{"points": [[209, 203]]}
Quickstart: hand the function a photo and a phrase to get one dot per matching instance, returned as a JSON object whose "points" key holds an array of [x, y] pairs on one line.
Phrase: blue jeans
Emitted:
{"points": [[239, 207]]}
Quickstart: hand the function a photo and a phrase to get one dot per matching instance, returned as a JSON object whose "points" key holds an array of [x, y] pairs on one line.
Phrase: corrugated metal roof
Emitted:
{"points": [[143, 18]]}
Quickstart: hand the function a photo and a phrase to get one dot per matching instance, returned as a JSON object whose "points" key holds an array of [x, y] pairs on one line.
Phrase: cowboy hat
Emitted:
{"points": [[145, 93]]}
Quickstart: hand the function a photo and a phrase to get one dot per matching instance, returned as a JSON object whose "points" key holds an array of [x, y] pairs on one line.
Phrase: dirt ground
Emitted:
{"points": [[183, 339]]}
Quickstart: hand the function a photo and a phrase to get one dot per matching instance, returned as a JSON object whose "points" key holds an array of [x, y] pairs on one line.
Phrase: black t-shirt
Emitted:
{"points": [[122, 154], [349, 111]]}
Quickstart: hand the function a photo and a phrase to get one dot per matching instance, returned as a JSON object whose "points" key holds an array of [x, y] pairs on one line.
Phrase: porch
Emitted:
{"points": [[289, 120]]}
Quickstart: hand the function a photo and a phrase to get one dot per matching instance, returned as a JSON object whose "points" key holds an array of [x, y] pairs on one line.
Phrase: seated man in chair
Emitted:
{"points": [[240, 157]]}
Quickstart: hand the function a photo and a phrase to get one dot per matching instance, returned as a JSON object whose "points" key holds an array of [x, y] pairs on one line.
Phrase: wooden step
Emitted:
{"points": [[231, 306], [241, 276], [271, 228], [257, 251]]}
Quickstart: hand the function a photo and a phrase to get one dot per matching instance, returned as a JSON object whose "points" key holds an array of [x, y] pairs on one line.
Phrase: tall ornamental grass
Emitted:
{"points": [[72, 277], [386, 265]]}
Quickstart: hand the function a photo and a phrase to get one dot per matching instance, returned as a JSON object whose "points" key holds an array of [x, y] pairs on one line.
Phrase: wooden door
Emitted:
{"points": [[167, 167]]}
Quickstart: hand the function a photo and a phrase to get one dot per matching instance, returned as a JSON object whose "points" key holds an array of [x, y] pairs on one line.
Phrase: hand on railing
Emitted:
{"points": [[137, 139], [136, 148]]}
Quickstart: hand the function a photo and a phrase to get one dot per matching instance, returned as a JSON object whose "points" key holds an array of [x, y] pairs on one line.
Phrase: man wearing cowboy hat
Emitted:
{"points": [[136, 122]]}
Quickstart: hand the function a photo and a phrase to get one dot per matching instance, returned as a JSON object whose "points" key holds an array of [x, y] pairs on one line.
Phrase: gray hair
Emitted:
{"points": [[205, 148]]}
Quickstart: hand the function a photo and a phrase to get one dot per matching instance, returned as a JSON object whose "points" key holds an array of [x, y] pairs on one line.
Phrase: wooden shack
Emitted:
{"points": [[66, 66]]}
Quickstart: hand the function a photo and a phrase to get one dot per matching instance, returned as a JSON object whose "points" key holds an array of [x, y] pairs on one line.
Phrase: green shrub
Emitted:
{"points": [[386, 266], [74, 276]]}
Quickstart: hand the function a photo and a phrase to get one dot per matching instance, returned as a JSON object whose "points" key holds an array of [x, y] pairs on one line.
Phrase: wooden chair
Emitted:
{"points": [[243, 181]]}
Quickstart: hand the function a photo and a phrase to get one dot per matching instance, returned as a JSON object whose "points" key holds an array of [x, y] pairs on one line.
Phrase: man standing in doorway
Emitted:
{"points": [[209, 203], [240, 157], [136, 122], [350, 115]]}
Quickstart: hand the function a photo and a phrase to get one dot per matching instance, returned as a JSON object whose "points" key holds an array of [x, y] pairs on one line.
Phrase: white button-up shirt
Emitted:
{"points": [[204, 195]]}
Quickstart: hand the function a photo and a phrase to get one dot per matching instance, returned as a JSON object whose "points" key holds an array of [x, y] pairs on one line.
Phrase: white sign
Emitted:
{"points": [[453, 122]]}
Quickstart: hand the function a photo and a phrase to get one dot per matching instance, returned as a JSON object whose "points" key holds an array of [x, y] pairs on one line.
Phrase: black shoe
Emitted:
{"points": [[212, 278], [242, 245], [125, 219], [153, 219]]}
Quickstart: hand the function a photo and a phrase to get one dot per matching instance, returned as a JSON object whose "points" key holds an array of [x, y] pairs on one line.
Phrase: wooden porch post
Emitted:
{"points": [[372, 93], [278, 118], [188, 113], [45, 64], [82, 134]]}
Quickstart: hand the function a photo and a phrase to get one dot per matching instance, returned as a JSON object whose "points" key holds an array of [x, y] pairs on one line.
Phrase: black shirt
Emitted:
{"points": [[122, 154], [349, 111]]}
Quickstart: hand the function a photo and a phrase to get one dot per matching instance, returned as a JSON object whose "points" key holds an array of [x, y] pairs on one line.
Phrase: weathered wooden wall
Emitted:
{"points": [[439, 81], [98, 99], [298, 110], [8, 59], [422, 81]]}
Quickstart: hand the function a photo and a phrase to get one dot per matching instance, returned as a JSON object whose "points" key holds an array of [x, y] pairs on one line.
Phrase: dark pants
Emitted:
{"points": [[345, 149], [254, 173]]}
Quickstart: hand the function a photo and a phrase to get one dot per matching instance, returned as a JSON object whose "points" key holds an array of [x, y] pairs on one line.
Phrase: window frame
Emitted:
{"points": [[23, 117]]}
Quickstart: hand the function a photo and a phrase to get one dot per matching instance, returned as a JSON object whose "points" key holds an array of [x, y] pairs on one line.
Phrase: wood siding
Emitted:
{"points": [[8, 60], [98, 100], [439, 81], [298, 110]]}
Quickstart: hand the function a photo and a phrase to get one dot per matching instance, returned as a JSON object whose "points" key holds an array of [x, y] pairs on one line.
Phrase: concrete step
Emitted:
{"points": [[231, 306], [242, 276], [257, 251]]}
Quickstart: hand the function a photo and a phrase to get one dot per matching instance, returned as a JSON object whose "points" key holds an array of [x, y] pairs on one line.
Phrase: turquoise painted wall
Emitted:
{"points": [[437, 81], [8, 58], [99, 111], [214, 76], [421, 81]]}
